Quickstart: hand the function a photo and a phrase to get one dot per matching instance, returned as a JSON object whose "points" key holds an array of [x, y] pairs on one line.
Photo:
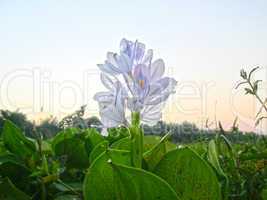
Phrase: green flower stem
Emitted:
{"points": [[137, 140]]}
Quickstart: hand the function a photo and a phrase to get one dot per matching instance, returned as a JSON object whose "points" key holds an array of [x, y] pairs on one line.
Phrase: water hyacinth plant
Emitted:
{"points": [[136, 83]]}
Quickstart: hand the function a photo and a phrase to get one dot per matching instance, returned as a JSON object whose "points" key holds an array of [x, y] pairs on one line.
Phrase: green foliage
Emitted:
{"points": [[99, 181], [122, 144], [19, 119], [155, 154], [74, 120], [251, 88], [110, 177], [70, 143], [82, 164], [264, 194], [13, 167], [8, 191], [98, 150], [16, 142], [189, 175], [92, 139]]}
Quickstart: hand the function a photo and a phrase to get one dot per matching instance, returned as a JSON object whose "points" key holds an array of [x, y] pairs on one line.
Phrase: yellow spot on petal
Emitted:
{"points": [[142, 83]]}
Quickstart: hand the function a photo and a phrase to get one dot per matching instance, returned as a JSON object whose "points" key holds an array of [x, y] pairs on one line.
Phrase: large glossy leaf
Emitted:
{"points": [[93, 138], [200, 148], [74, 151], [9, 192], [71, 146], [109, 178], [122, 144], [98, 150], [99, 180], [155, 154], [63, 135], [13, 167], [151, 140], [132, 183], [16, 142], [190, 176]]}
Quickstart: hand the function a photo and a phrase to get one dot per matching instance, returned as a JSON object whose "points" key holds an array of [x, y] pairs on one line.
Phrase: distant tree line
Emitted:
{"points": [[48, 127], [185, 132], [188, 132]]}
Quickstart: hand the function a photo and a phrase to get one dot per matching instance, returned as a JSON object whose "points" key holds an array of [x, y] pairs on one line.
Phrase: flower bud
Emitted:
{"points": [[243, 74]]}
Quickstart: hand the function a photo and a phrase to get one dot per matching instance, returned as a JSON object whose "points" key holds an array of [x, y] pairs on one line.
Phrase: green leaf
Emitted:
{"points": [[9, 192], [150, 141], [190, 176], [213, 158], [65, 186], [133, 183], [92, 139], [109, 178], [115, 134], [122, 144], [98, 150], [154, 155], [71, 144], [199, 147], [63, 135], [264, 194], [75, 152], [99, 180], [12, 167], [46, 147], [16, 142]]}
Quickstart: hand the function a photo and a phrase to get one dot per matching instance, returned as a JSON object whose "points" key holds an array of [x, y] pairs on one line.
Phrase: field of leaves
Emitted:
{"points": [[83, 164]]}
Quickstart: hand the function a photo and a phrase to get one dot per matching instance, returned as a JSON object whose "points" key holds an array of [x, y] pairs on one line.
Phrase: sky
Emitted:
{"points": [[49, 51]]}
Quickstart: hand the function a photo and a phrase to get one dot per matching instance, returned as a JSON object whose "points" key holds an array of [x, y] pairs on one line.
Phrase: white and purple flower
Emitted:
{"points": [[135, 82]]}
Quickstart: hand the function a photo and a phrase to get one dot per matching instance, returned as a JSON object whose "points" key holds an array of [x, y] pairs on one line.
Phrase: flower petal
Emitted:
{"points": [[148, 57], [108, 68], [139, 52], [120, 63], [126, 47], [157, 70], [107, 81], [103, 97], [160, 91], [151, 114]]}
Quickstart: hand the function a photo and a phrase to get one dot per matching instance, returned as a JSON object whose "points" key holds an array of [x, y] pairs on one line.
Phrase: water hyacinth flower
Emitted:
{"points": [[111, 103], [131, 53], [135, 83]]}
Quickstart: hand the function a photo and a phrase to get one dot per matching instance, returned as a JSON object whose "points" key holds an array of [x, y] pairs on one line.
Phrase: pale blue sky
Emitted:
{"points": [[199, 40]]}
